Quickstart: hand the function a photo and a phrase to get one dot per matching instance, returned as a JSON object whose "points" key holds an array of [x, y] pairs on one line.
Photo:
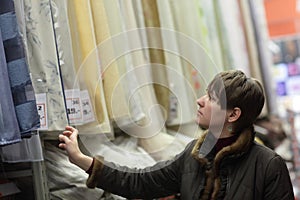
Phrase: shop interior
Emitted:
{"points": [[127, 75]]}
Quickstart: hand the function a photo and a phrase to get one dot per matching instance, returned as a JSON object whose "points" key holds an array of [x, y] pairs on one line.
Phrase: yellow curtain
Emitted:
{"points": [[156, 55], [110, 72], [87, 61]]}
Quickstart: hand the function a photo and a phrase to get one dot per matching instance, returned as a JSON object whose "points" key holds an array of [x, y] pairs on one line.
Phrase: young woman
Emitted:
{"points": [[224, 163]]}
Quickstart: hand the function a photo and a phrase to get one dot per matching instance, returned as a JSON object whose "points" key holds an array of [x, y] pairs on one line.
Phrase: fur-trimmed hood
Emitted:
{"points": [[202, 149]]}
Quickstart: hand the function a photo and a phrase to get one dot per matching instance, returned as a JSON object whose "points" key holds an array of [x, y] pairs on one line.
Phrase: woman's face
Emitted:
{"points": [[210, 115]]}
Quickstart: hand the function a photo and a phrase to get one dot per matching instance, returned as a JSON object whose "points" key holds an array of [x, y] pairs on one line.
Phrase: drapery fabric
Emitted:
{"points": [[123, 56], [43, 63], [234, 42], [265, 58], [20, 81], [182, 106], [114, 93], [28, 150], [88, 63], [159, 74], [209, 16], [139, 66], [63, 43], [250, 39], [9, 128], [197, 65]]}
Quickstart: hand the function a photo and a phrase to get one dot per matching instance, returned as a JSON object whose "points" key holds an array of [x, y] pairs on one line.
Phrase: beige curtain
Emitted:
{"points": [[87, 62], [110, 71], [156, 52]]}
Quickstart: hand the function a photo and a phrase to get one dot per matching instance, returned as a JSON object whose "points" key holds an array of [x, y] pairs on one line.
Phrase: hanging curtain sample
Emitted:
{"points": [[208, 15], [88, 63], [9, 128], [159, 74], [258, 17], [43, 64], [197, 65], [113, 91], [233, 42], [139, 71], [123, 53], [64, 44], [181, 102], [20, 81]]}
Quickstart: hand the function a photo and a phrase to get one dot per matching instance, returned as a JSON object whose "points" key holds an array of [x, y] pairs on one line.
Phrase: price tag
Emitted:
{"points": [[87, 110], [73, 102], [41, 103]]}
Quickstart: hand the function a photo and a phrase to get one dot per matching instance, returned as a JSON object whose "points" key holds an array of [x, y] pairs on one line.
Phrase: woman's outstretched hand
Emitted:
{"points": [[68, 141]]}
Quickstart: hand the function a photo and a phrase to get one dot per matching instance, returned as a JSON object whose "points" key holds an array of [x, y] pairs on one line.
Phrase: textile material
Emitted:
{"points": [[182, 105], [251, 45], [88, 63], [123, 53], [197, 65], [138, 73], [43, 61], [160, 80], [9, 128], [207, 8], [63, 44], [233, 42], [114, 93], [265, 58], [20, 81], [250, 39], [28, 150]]}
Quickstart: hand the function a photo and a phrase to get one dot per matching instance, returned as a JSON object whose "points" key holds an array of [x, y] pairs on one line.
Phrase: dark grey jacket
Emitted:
{"points": [[242, 171]]}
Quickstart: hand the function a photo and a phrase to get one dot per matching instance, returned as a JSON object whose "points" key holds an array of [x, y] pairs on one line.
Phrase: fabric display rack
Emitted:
{"points": [[126, 74]]}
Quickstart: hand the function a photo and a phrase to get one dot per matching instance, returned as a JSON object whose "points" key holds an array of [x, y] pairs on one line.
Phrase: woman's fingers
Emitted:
{"points": [[63, 138], [71, 128], [68, 136], [62, 145], [67, 133]]}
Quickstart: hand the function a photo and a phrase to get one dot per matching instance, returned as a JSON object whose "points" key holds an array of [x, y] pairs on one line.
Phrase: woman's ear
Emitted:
{"points": [[234, 114]]}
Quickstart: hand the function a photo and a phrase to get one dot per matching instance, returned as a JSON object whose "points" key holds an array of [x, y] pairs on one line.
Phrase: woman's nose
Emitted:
{"points": [[200, 101]]}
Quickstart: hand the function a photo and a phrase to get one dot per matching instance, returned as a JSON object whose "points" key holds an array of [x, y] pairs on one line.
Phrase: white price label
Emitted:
{"points": [[73, 102], [41, 103], [87, 109]]}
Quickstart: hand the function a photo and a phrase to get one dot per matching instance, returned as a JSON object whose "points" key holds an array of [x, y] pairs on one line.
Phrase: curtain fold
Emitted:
{"points": [[209, 16], [197, 65], [63, 43], [139, 66], [123, 57], [114, 93], [182, 106], [233, 42], [265, 58], [88, 63], [156, 52]]}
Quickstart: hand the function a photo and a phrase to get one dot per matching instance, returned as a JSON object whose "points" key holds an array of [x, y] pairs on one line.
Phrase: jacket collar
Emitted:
{"points": [[202, 151], [206, 142]]}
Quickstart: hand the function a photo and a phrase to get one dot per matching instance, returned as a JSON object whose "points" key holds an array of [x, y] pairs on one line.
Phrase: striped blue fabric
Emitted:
{"points": [[9, 128], [18, 72]]}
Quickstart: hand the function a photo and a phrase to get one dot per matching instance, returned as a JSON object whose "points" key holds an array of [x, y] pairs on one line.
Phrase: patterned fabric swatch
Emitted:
{"points": [[9, 128], [20, 81], [43, 61], [64, 44]]}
